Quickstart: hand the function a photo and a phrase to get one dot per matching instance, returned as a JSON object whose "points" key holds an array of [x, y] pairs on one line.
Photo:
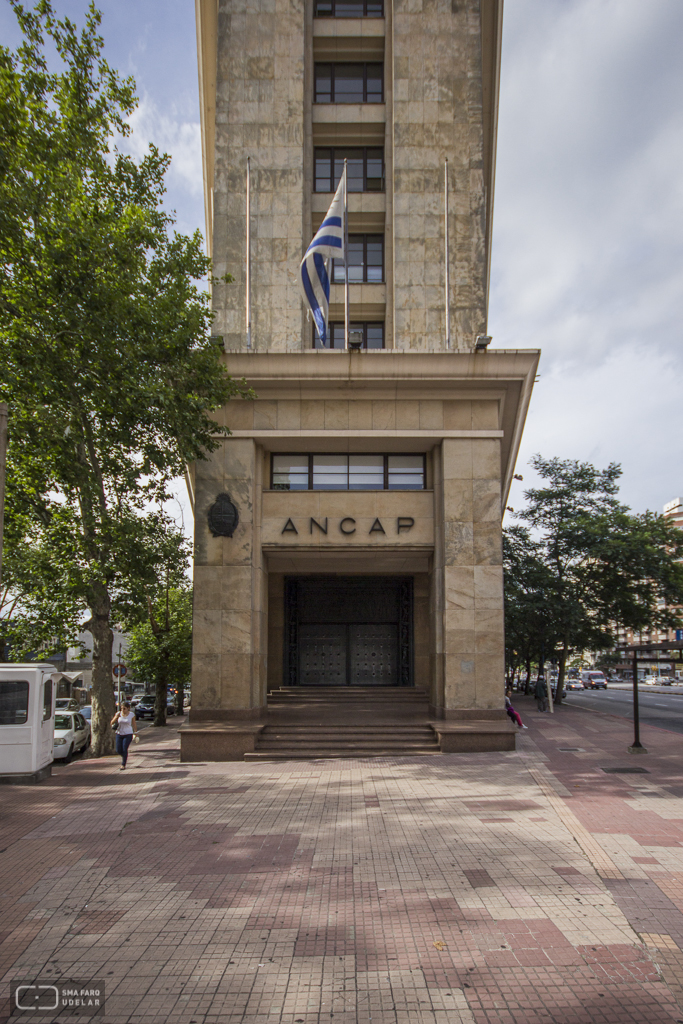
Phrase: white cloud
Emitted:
{"points": [[181, 139], [588, 230]]}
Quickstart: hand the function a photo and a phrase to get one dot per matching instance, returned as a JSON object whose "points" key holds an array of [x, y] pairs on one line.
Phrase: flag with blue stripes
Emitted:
{"points": [[315, 279]]}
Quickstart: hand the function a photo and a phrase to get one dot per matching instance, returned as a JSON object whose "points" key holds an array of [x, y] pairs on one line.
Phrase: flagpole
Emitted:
{"points": [[346, 259], [447, 273], [248, 273]]}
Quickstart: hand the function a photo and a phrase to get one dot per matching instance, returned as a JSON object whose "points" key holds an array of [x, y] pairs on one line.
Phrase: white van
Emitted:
{"points": [[594, 680], [27, 722]]}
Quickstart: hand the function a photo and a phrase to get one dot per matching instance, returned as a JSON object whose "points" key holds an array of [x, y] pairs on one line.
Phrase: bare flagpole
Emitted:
{"points": [[248, 272], [447, 270], [346, 259]]}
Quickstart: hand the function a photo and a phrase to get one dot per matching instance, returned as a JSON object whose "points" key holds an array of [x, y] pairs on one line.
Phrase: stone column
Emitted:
{"points": [[228, 666], [467, 582]]}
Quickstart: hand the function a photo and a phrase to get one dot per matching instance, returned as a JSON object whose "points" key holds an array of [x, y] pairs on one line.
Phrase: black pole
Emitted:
{"points": [[636, 710], [637, 747]]}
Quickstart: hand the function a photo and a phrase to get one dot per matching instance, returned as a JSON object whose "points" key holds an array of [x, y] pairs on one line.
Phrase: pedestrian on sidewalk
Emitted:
{"points": [[126, 727], [514, 715], [541, 694]]}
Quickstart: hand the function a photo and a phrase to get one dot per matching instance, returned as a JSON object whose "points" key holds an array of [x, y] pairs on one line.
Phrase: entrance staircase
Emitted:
{"points": [[311, 722]]}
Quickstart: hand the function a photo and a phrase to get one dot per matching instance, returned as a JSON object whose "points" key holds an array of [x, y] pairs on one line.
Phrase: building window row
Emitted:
{"points": [[372, 334], [349, 83], [365, 259], [302, 472], [349, 9], [365, 168]]}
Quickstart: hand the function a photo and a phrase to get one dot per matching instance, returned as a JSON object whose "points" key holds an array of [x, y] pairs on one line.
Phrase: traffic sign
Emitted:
{"points": [[119, 669]]}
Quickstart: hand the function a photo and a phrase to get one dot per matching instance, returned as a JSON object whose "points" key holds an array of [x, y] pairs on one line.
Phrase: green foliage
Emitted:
{"points": [[586, 565], [161, 647], [107, 364]]}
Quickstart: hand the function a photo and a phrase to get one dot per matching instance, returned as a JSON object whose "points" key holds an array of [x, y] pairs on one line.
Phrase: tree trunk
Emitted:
{"points": [[527, 684], [560, 674], [103, 704], [161, 691]]}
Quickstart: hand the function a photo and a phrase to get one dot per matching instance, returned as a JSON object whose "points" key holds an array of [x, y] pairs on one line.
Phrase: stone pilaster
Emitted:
{"points": [[467, 582], [230, 598]]}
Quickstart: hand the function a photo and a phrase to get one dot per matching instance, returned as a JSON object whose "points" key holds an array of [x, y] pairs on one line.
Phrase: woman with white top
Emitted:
{"points": [[126, 728]]}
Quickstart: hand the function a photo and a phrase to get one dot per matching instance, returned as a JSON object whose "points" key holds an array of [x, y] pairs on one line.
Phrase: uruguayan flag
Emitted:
{"points": [[328, 242]]}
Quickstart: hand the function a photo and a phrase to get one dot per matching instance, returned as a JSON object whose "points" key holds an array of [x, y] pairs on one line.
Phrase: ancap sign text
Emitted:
{"points": [[348, 526]]}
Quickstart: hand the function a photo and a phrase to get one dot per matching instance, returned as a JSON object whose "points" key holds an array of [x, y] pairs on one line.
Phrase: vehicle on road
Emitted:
{"points": [[67, 704], [144, 708], [72, 735], [594, 680], [86, 711], [574, 684]]}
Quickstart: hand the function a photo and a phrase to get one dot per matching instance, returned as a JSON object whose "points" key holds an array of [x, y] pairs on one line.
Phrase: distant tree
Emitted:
{"points": [[607, 566], [107, 363], [160, 648]]}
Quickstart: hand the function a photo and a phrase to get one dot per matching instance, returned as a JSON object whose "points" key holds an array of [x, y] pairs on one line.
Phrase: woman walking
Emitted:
{"points": [[126, 727]]}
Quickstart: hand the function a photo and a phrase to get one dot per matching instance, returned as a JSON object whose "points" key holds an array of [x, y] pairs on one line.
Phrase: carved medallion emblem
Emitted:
{"points": [[223, 516]]}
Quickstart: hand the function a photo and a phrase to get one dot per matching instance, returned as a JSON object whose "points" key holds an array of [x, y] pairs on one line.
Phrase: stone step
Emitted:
{"points": [[314, 755]]}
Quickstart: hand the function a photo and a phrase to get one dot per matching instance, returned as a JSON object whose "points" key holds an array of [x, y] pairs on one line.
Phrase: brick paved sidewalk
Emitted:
{"points": [[511, 888]]}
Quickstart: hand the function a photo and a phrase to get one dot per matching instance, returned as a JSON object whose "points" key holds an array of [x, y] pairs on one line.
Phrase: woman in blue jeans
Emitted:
{"points": [[126, 728]]}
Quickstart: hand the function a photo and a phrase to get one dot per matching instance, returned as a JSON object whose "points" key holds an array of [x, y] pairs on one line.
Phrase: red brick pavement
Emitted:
{"points": [[520, 888]]}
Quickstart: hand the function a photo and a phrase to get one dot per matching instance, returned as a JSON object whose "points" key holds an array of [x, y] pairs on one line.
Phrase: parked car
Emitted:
{"points": [[67, 704], [574, 684], [72, 735], [86, 712], [145, 708]]}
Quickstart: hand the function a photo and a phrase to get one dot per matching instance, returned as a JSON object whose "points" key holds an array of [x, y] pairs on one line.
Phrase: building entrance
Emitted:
{"points": [[349, 631]]}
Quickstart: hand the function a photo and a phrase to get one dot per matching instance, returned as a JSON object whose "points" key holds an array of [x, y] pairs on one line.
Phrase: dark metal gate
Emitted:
{"points": [[348, 630]]}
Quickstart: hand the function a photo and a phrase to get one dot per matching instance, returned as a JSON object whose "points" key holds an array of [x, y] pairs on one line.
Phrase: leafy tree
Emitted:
{"points": [[160, 649], [107, 364], [607, 567]]}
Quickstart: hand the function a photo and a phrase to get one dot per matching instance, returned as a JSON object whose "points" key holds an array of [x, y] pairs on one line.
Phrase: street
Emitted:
{"points": [[661, 709]]}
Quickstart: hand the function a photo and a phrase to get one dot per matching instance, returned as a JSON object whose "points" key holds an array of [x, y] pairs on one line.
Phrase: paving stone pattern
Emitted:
{"points": [[514, 888]]}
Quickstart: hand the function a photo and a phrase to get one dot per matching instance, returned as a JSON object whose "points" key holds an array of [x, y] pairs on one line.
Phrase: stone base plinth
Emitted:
{"points": [[218, 741], [25, 778], [470, 737]]}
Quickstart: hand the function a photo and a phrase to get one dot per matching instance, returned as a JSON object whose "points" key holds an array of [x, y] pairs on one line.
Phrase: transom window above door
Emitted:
{"points": [[347, 472], [365, 168], [349, 9], [349, 83]]}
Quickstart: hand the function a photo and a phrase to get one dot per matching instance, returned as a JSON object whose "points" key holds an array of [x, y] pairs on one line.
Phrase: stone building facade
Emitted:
{"points": [[367, 485]]}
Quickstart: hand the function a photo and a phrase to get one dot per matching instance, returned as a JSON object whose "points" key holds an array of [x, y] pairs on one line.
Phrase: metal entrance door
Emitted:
{"points": [[348, 630], [373, 655], [323, 655]]}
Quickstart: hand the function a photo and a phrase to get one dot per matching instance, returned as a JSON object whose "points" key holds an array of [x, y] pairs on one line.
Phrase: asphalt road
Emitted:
{"points": [[663, 710]]}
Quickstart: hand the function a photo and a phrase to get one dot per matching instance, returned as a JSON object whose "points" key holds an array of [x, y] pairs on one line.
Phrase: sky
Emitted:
{"points": [[588, 221]]}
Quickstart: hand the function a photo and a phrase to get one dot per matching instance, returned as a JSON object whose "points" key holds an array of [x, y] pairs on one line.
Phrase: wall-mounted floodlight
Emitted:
{"points": [[482, 342], [355, 340]]}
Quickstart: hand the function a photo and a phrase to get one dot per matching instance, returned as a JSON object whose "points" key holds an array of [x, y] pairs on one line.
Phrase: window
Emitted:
{"points": [[349, 83], [365, 167], [349, 9], [348, 472], [13, 703], [47, 700], [290, 473], [373, 335], [365, 258]]}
